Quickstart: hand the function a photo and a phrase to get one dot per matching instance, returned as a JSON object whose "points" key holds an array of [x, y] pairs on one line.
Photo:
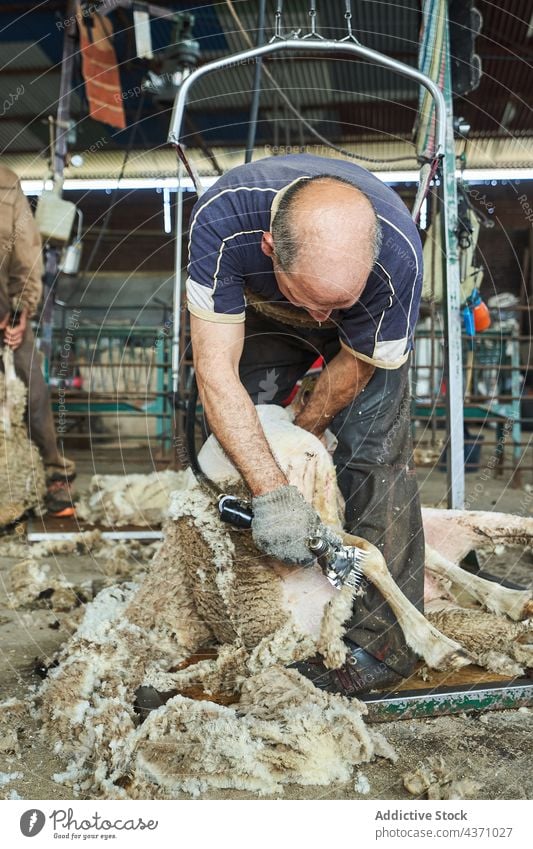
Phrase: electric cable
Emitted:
{"points": [[190, 439], [107, 217]]}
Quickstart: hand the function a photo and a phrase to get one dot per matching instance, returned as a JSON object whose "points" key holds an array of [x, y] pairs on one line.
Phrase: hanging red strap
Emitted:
{"points": [[100, 69]]}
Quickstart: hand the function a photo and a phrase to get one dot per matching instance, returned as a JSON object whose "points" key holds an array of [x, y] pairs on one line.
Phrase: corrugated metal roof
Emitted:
{"points": [[344, 99], [29, 88], [16, 136], [35, 96], [162, 162], [313, 81], [24, 55]]}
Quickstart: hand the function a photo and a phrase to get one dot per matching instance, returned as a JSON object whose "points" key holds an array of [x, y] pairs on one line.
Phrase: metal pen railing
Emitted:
{"points": [[112, 382], [497, 404]]}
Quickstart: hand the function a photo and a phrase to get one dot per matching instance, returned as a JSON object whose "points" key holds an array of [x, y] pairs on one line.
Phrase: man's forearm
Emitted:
{"points": [[341, 381], [234, 421]]}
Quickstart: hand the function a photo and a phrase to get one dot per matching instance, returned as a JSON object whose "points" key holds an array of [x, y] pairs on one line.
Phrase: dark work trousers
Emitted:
{"points": [[374, 467], [41, 429]]}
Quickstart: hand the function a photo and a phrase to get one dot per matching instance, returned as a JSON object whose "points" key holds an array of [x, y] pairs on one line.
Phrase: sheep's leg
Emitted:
{"points": [[438, 651], [516, 604]]}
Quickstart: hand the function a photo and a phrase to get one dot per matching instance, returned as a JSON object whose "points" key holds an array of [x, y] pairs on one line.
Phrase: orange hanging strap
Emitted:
{"points": [[100, 70]]}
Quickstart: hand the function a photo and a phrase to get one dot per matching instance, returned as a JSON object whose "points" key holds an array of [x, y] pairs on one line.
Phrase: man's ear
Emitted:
{"points": [[267, 244]]}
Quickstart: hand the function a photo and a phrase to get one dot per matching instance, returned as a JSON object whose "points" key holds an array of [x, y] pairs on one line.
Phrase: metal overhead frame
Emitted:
{"points": [[291, 45], [443, 155], [58, 155], [452, 317]]}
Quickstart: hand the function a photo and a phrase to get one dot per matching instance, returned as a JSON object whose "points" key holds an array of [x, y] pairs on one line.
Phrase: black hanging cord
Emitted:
{"points": [[190, 438], [256, 91], [107, 217]]}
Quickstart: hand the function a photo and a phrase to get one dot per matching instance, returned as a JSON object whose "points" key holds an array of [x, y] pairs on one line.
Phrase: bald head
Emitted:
{"points": [[325, 239]]}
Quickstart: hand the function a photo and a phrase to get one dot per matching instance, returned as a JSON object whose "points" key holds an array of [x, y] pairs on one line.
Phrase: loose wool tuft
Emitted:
{"points": [[23, 482], [115, 500]]}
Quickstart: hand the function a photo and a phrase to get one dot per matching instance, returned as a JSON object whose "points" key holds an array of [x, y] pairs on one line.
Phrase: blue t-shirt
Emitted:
{"points": [[225, 255]]}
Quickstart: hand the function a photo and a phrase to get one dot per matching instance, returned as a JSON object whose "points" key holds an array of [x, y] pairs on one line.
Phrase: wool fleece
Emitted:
{"points": [[210, 626], [23, 481]]}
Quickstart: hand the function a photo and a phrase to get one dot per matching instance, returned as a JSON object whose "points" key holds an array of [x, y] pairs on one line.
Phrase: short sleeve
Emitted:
{"points": [[215, 285], [379, 327]]}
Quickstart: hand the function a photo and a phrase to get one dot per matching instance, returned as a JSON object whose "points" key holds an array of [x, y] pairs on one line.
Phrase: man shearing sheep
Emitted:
{"points": [[291, 258]]}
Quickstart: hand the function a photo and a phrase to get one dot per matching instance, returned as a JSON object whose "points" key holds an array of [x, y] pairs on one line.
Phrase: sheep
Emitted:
{"points": [[453, 533], [309, 466]]}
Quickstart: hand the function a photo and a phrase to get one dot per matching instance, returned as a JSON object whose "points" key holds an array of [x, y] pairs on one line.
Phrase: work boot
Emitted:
{"points": [[63, 469], [358, 675], [59, 498]]}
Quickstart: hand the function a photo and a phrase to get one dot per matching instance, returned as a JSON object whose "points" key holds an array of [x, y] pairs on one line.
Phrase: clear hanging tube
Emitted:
{"points": [[348, 18], [313, 18], [279, 19]]}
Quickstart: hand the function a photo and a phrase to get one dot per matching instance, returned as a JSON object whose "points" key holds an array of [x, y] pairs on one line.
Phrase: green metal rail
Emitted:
{"points": [[493, 351], [112, 371], [441, 701]]}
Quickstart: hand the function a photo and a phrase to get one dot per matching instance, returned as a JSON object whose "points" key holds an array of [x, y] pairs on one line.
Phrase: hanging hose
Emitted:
{"points": [[427, 173], [190, 438], [256, 91], [190, 427]]}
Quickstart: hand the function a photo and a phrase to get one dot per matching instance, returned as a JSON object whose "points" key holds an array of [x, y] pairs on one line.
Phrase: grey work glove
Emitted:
{"points": [[282, 524]]}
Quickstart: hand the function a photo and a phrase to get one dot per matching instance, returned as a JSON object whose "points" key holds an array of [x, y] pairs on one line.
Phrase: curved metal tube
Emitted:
{"points": [[295, 44]]}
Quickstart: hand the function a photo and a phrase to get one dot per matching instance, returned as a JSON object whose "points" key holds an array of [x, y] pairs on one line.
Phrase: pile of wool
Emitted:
{"points": [[115, 500], [435, 781], [282, 731], [30, 582], [23, 481], [207, 586], [279, 730], [91, 543]]}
